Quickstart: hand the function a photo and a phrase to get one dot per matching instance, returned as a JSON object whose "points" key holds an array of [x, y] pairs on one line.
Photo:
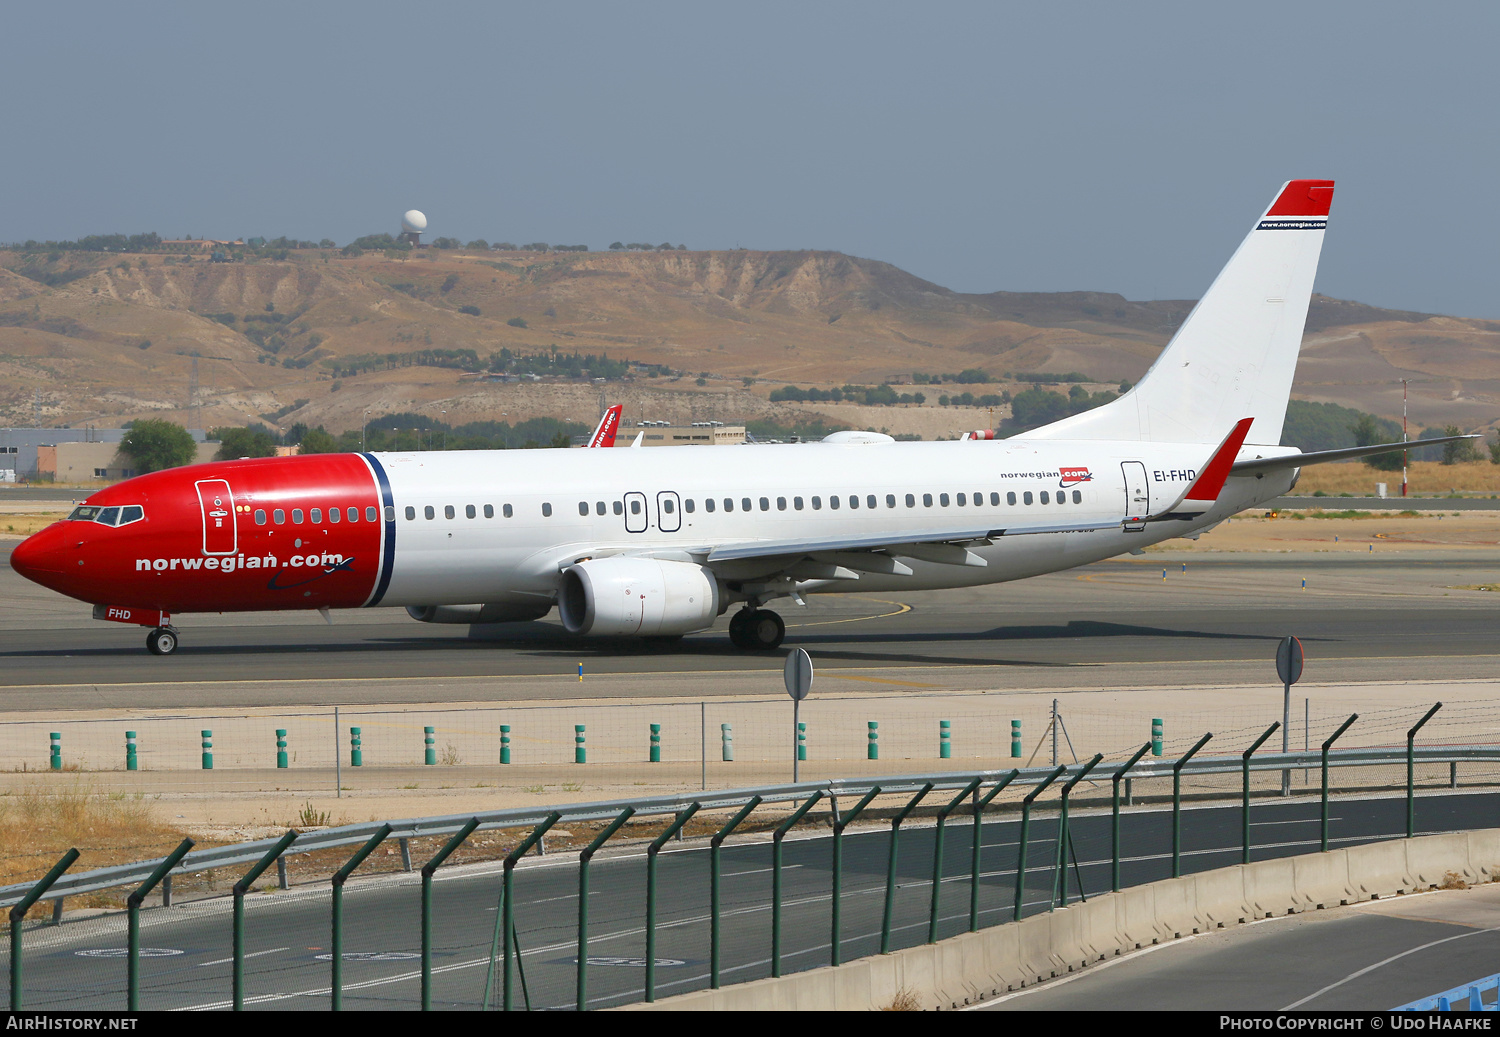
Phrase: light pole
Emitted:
{"points": [[445, 430], [363, 422]]}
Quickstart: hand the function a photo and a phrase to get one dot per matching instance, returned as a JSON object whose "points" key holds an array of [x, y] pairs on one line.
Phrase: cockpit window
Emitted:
{"points": [[116, 516]]}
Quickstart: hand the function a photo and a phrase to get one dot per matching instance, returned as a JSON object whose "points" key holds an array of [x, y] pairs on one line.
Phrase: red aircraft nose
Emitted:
{"points": [[40, 556]]}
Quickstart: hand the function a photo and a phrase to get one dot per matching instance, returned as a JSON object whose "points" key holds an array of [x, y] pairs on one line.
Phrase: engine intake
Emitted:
{"points": [[606, 597]]}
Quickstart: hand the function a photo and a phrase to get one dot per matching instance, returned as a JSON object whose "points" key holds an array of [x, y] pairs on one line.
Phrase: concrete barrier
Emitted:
{"points": [[974, 966]]}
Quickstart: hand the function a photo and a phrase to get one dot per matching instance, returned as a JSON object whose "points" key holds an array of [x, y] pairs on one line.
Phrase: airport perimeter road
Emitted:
{"points": [[1374, 955], [1117, 623], [78, 966]]}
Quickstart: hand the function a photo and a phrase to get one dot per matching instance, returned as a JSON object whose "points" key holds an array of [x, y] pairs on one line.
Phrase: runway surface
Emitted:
{"points": [[77, 966], [1130, 622]]}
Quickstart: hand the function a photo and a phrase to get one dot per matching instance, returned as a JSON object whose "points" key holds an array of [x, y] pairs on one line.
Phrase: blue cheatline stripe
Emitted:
{"points": [[388, 512]]}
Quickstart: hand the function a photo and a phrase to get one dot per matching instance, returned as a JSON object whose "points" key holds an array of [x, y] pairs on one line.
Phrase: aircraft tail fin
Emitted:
{"points": [[604, 434], [1236, 353]]}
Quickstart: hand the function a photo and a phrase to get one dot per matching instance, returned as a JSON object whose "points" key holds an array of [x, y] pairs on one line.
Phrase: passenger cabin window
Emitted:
{"points": [[297, 516], [688, 505], [506, 511], [744, 503], [911, 500], [335, 515], [429, 512], [833, 502], [1044, 497], [1026, 497], [668, 506], [870, 501], [943, 499], [600, 508], [260, 516], [489, 511], [962, 500], [926, 500], [448, 511], [780, 503], [317, 515], [469, 511], [1077, 496], [619, 508], [728, 503], [353, 514], [546, 510], [583, 508], [853, 500], [817, 503], [708, 504], [995, 499], [279, 516], [411, 513], [765, 504], [1010, 498], [890, 500], [797, 503], [635, 507]]}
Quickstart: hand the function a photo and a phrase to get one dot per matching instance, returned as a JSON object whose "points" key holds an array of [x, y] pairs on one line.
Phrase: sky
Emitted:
{"points": [[992, 146]]}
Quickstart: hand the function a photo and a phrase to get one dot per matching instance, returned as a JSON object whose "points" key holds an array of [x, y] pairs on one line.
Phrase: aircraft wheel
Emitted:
{"points": [[737, 623], [162, 641], [764, 630]]}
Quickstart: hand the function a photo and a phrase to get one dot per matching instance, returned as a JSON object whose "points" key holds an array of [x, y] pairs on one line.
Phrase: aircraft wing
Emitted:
{"points": [[1268, 464], [892, 543]]}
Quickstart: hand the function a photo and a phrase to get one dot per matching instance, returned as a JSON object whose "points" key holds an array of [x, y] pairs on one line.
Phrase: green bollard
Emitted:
{"points": [[356, 748], [656, 743], [580, 749], [945, 745], [130, 760], [1015, 739], [872, 751], [208, 750], [1156, 736], [802, 740], [429, 738], [56, 762], [281, 748], [726, 737], [504, 743]]}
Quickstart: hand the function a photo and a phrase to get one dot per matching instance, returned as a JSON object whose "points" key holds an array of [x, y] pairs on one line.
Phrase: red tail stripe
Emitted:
{"points": [[1304, 198], [1211, 480]]}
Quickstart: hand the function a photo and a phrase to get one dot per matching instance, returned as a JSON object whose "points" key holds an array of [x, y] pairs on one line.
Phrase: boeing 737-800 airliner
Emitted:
{"points": [[660, 542]]}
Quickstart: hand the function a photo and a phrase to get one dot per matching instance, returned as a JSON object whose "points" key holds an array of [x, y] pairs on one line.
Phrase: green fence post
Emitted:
{"points": [[651, 854], [339, 878], [656, 743], [1025, 834], [239, 890], [1177, 804], [1411, 807], [505, 743], [726, 740], [978, 846], [133, 937], [281, 748], [1245, 789], [1060, 876], [802, 740], [837, 886], [427, 871], [872, 737], [1156, 736], [55, 756], [429, 740], [1015, 739], [130, 759], [937, 855], [580, 750], [580, 986], [945, 745], [356, 747], [890, 868], [505, 916], [776, 838], [715, 849], [1114, 829], [18, 915], [1323, 827], [208, 750]]}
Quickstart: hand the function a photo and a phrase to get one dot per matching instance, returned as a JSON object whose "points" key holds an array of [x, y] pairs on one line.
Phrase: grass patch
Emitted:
{"points": [[1347, 513]]}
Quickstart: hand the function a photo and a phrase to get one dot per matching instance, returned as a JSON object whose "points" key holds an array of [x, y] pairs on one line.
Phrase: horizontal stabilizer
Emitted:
{"points": [[1271, 464]]}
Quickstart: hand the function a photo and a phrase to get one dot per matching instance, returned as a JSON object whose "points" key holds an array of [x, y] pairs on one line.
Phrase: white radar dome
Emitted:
{"points": [[413, 222]]}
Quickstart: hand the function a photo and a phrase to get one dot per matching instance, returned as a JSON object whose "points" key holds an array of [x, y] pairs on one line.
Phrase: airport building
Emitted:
{"points": [[72, 454], [699, 433]]}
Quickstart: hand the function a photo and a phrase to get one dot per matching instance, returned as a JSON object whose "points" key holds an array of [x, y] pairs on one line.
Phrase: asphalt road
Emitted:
{"points": [[78, 966], [1121, 621]]}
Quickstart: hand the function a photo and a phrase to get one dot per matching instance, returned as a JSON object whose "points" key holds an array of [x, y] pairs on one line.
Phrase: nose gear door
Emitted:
{"points": [[217, 504], [1137, 496]]}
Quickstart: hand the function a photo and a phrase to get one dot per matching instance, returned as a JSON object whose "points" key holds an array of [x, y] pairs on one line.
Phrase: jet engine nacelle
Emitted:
{"points": [[518, 610], [606, 597]]}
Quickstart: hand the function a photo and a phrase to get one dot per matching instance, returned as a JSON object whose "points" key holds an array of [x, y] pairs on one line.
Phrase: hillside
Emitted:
{"points": [[99, 338]]}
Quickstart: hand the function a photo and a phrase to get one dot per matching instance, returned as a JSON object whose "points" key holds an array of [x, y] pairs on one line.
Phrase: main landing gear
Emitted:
{"points": [[756, 628], [162, 641]]}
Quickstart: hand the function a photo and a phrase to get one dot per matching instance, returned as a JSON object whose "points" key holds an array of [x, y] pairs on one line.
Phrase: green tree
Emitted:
{"points": [[153, 445], [1367, 432], [318, 441], [243, 442], [1458, 453], [1495, 450]]}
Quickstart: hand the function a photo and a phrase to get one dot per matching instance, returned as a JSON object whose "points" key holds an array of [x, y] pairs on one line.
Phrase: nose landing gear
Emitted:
{"points": [[759, 629], [162, 641]]}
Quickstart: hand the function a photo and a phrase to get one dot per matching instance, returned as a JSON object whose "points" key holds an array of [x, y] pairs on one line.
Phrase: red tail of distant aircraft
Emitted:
{"points": [[604, 435]]}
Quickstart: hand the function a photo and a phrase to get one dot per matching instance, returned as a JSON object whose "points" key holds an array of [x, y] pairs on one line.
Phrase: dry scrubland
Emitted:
{"points": [[113, 338], [1423, 477]]}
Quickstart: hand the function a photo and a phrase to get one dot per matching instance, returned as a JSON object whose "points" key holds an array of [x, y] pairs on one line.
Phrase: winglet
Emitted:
{"points": [[1201, 495], [604, 435]]}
